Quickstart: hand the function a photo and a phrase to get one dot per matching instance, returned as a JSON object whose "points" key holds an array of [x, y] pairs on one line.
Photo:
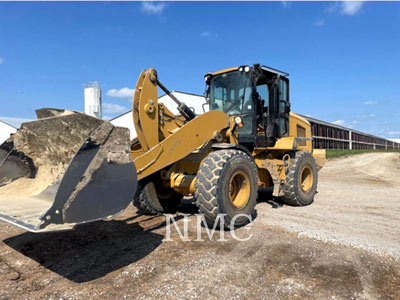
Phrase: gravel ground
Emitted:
{"points": [[358, 204], [343, 246]]}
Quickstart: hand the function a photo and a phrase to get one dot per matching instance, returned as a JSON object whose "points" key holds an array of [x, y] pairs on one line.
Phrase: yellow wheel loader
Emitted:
{"points": [[67, 168]]}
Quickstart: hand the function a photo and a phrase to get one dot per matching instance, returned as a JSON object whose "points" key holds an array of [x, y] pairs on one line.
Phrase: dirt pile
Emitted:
{"points": [[379, 167], [42, 150], [11, 168]]}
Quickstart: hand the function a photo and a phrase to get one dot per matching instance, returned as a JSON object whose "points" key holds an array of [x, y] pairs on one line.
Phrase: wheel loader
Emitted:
{"points": [[68, 168]]}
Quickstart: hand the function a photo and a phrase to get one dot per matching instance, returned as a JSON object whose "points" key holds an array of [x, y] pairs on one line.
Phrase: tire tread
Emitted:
{"points": [[207, 183], [289, 188]]}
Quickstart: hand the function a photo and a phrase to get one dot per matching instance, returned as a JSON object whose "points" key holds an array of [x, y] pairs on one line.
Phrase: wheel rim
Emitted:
{"points": [[239, 189], [306, 179]]}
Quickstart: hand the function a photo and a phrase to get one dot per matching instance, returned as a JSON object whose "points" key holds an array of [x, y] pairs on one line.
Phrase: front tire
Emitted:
{"points": [[301, 180], [153, 198], [227, 184]]}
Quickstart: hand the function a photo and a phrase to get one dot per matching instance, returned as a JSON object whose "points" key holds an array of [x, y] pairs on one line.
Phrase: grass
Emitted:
{"points": [[345, 152]]}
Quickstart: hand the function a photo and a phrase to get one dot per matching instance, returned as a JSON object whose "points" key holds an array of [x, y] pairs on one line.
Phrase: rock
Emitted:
{"points": [[13, 275]]}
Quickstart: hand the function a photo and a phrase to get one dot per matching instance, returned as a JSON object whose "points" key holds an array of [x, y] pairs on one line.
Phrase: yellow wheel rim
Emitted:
{"points": [[306, 179], [239, 189]]}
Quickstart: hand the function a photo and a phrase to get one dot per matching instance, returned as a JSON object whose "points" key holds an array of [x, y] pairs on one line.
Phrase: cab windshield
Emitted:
{"points": [[231, 92]]}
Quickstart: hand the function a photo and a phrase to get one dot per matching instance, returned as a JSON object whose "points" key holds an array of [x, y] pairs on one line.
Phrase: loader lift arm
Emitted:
{"points": [[146, 113], [163, 137]]}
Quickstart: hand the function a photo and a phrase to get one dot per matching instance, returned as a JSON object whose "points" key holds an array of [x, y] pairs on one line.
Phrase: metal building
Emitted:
{"points": [[92, 95], [330, 136]]}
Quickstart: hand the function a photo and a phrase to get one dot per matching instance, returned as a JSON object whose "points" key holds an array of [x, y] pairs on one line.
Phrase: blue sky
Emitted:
{"points": [[343, 57]]}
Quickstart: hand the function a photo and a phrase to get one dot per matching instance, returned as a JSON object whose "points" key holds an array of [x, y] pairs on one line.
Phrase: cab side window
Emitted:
{"points": [[262, 90], [283, 100]]}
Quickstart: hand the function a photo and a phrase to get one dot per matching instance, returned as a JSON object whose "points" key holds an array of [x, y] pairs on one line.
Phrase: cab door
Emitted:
{"points": [[278, 108]]}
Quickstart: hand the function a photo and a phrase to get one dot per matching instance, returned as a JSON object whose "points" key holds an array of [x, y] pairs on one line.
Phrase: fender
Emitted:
{"points": [[232, 146]]}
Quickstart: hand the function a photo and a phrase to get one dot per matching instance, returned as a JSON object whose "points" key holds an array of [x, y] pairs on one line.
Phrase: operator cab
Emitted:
{"points": [[259, 95]]}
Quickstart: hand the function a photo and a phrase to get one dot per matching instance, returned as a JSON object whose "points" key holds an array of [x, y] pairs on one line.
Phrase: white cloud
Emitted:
{"points": [[111, 108], [351, 8], [286, 4], [368, 116], [332, 7], [319, 22], [344, 123], [153, 8], [125, 93], [395, 140], [209, 35], [370, 102], [393, 132], [339, 122], [1, 60]]}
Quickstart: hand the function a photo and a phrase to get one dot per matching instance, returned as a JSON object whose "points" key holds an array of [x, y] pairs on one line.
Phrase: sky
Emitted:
{"points": [[343, 57]]}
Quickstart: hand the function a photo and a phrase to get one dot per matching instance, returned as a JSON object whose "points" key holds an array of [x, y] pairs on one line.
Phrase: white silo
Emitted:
{"points": [[93, 99]]}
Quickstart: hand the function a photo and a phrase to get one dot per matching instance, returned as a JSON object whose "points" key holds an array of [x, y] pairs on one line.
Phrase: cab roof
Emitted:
{"points": [[225, 71], [266, 68]]}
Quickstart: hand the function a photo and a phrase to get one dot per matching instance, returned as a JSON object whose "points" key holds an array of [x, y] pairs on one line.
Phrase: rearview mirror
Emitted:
{"points": [[287, 108]]}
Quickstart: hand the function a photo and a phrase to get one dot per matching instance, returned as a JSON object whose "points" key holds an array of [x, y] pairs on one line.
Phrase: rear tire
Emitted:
{"points": [[301, 180], [227, 184], [154, 199]]}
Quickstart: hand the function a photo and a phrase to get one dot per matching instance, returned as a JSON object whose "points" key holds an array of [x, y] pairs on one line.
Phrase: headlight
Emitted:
{"points": [[246, 69], [238, 121], [241, 69]]}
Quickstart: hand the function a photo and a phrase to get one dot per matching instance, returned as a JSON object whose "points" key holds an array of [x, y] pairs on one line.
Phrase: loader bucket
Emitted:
{"points": [[65, 169]]}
